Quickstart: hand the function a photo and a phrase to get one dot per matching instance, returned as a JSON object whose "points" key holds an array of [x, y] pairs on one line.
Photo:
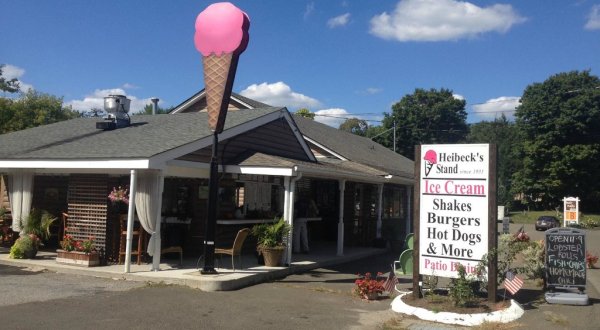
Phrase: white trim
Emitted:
{"points": [[324, 148], [200, 95], [186, 104], [88, 164], [277, 171], [299, 136]]}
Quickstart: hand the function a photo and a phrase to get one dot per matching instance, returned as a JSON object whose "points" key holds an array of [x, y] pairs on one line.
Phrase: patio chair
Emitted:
{"points": [[236, 249], [404, 264]]}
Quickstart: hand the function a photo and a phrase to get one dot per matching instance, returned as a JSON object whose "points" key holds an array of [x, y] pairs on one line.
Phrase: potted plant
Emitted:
{"points": [[75, 252], [35, 230], [270, 243], [369, 288]]}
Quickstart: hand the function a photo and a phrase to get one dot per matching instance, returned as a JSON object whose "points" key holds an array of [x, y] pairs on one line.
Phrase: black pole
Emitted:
{"points": [[211, 219]]}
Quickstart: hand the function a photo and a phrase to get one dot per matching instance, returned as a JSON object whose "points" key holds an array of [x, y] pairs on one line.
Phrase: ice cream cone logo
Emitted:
{"points": [[430, 159], [221, 36]]}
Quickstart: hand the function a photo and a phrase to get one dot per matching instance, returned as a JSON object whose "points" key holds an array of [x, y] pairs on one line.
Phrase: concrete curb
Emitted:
{"points": [[509, 314]]}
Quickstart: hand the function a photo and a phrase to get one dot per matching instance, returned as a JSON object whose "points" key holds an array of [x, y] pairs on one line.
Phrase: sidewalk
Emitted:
{"points": [[189, 274]]}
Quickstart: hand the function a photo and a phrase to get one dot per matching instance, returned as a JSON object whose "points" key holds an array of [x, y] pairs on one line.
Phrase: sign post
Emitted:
{"points": [[456, 209]]}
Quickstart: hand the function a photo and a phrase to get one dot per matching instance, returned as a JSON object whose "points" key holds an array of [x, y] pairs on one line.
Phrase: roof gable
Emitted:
{"points": [[197, 103]]}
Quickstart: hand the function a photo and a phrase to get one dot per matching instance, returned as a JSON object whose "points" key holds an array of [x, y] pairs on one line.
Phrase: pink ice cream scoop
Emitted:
{"points": [[221, 28], [430, 156], [221, 36]]}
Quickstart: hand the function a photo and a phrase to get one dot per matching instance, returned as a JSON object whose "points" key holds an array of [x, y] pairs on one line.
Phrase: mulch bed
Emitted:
{"points": [[441, 302]]}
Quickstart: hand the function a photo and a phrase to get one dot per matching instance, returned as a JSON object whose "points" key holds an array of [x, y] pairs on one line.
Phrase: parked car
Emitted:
{"points": [[546, 222]]}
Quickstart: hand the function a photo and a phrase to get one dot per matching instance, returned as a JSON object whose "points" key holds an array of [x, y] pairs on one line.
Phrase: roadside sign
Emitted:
{"points": [[571, 211], [565, 258]]}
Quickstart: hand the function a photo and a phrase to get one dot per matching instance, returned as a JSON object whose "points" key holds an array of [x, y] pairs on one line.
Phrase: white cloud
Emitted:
{"points": [[333, 117], [310, 8], [458, 97], [494, 108], [593, 22], [439, 20], [338, 21], [96, 100], [279, 94], [130, 86], [369, 91], [14, 72]]}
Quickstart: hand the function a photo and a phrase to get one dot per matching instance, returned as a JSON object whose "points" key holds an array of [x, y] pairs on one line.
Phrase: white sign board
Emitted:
{"points": [[453, 208], [570, 210]]}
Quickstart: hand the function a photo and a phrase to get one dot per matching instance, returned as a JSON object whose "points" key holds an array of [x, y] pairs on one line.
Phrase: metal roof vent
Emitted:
{"points": [[117, 107]]}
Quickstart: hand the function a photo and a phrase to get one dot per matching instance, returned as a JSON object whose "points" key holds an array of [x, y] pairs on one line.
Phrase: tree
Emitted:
{"points": [[32, 109], [304, 112], [355, 126], [424, 117], [559, 120], [148, 110], [10, 86], [504, 134]]}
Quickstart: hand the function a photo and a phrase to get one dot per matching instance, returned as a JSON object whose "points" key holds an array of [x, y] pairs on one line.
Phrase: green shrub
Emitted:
{"points": [[25, 247], [461, 289]]}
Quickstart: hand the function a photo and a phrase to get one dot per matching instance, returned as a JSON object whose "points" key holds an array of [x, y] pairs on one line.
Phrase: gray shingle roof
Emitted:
{"points": [[252, 103], [356, 148], [147, 136]]}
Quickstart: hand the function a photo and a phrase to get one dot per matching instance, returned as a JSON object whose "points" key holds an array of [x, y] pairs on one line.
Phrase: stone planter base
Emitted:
{"points": [[77, 258]]}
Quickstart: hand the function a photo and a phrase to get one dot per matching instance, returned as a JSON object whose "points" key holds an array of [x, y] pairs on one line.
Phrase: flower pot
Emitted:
{"points": [[77, 258], [371, 295], [272, 256]]}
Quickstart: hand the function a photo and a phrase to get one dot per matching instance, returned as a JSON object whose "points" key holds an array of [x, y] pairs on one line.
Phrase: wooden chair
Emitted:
{"points": [[236, 250], [138, 233], [173, 249]]}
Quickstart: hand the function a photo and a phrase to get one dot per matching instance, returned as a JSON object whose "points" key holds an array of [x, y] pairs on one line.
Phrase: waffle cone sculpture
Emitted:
{"points": [[221, 36]]}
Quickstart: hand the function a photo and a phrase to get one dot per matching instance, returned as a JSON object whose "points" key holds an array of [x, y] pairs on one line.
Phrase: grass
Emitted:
{"points": [[529, 217]]}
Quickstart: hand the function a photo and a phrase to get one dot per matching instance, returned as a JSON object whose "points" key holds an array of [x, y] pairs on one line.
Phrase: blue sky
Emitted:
{"points": [[337, 58]]}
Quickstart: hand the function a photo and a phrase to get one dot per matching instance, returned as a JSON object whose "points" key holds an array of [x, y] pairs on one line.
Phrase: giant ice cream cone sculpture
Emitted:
{"points": [[221, 36]]}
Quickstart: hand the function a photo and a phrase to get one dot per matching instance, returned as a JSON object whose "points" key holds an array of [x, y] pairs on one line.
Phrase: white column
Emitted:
{"points": [[379, 209], [340, 240], [292, 189], [130, 215], [157, 239], [287, 217]]}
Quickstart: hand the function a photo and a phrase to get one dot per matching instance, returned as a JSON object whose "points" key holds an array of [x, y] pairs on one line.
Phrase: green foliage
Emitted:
{"points": [[32, 109], [25, 247], [461, 289], [559, 120], [305, 113], [10, 86], [355, 126], [533, 260], [38, 223], [504, 134], [426, 116], [148, 110], [271, 234]]}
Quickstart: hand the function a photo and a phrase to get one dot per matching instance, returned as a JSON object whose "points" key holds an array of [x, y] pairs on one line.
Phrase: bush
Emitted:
{"points": [[461, 289], [25, 247]]}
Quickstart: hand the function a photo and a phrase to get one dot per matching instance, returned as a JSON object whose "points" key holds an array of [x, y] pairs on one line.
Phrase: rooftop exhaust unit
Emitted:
{"points": [[117, 107]]}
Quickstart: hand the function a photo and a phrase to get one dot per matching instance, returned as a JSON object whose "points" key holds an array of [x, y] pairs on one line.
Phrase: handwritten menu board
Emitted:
{"points": [[565, 257]]}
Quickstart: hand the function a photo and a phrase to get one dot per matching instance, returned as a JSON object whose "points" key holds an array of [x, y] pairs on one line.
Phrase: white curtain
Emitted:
{"points": [[147, 204], [20, 193]]}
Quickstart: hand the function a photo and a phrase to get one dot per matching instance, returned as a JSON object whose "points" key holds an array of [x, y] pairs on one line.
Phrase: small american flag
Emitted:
{"points": [[390, 282], [512, 283]]}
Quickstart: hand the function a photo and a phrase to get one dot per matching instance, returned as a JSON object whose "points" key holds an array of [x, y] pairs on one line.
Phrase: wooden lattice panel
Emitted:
{"points": [[88, 208]]}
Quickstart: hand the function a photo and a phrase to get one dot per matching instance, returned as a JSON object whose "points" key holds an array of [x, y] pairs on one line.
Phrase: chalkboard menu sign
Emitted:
{"points": [[565, 258]]}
